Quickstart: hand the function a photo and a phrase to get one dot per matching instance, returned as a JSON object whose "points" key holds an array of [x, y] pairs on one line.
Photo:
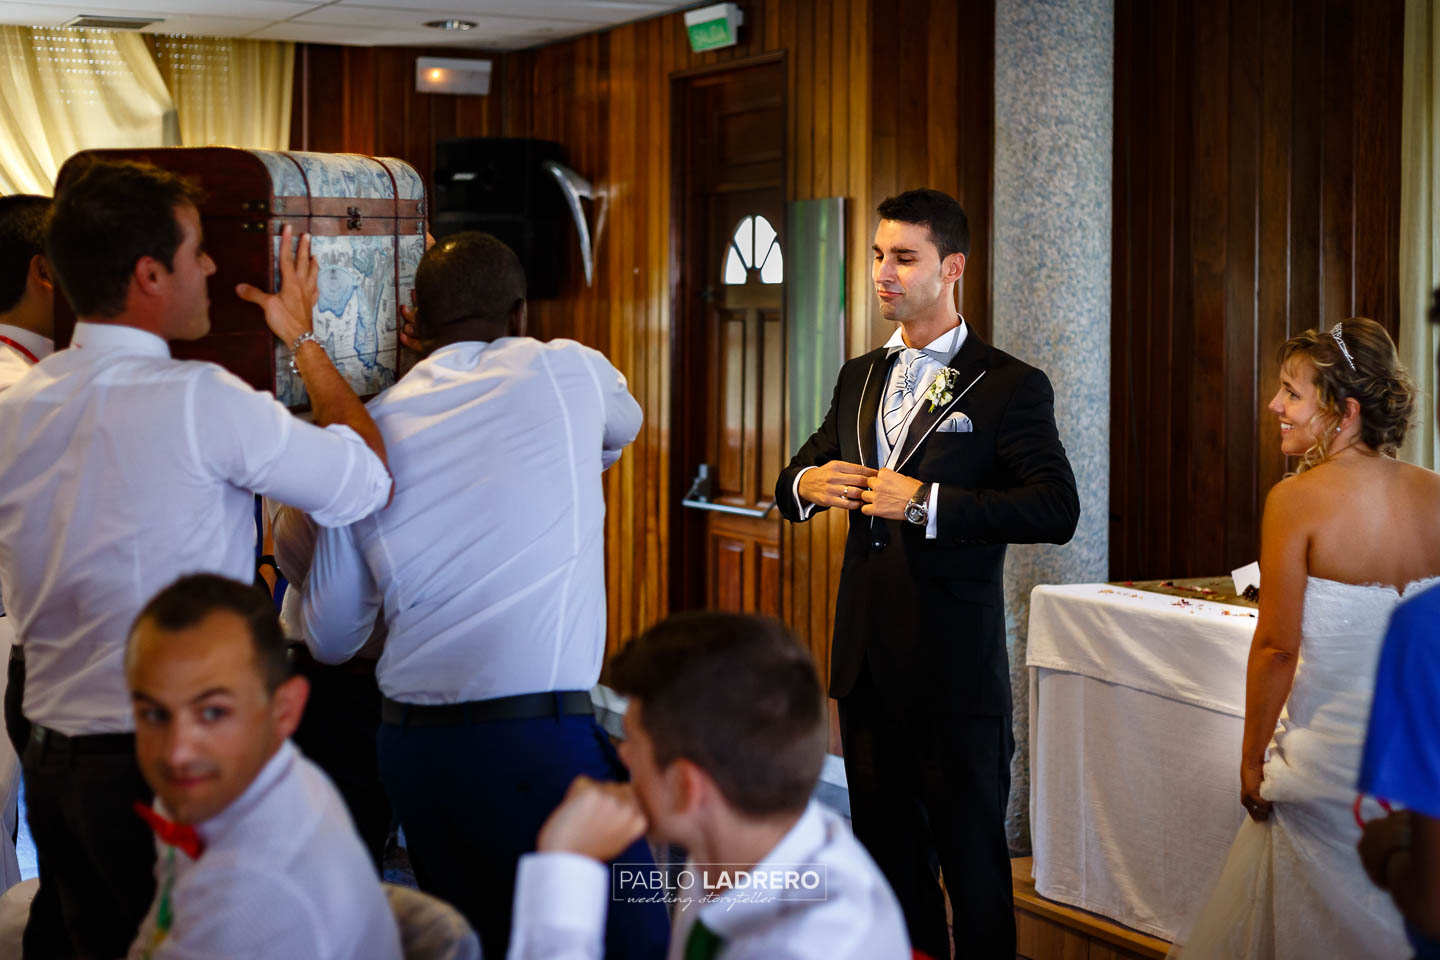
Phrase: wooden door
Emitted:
{"points": [[730, 338]]}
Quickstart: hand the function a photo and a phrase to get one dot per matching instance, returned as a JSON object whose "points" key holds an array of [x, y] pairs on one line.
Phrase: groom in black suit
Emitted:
{"points": [[944, 449]]}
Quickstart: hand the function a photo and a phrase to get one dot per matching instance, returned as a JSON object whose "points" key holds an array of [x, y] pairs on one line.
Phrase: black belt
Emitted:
{"points": [[98, 744], [526, 706]]}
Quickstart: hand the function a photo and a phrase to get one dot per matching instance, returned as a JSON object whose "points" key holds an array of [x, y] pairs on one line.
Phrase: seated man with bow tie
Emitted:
{"points": [[724, 737], [257, 855]]}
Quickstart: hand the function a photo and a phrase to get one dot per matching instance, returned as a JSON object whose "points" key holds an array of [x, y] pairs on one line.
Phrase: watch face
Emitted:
{"points": [[915, 513]]}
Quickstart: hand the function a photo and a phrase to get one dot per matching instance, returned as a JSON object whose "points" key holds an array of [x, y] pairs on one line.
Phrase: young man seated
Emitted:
{"points": [[725, 737], [261, 859]]}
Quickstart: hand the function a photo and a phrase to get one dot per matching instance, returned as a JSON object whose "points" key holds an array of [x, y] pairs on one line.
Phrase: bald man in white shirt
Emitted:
{"points": [[258, 859], [724, 736], [124, 469], [490, 569]]}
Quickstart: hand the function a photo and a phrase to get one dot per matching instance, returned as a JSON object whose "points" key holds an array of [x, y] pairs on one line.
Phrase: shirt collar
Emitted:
{"points": [[118, 338], [943, 348], [800, 846], [242, 806], [40, 346]]}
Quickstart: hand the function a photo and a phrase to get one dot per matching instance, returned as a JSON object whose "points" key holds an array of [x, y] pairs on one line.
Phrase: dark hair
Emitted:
{"points": [[106, 217], [467, 276], [1377, 381], [22, 237], [938, 212], [738, 697], [192, 598]]}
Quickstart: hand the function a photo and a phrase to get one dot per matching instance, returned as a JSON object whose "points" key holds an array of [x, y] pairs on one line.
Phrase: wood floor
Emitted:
{"points": [[1046, 930]]}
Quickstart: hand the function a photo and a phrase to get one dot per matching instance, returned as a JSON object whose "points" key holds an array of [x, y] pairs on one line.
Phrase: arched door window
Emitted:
{"points": [[754, 247]]}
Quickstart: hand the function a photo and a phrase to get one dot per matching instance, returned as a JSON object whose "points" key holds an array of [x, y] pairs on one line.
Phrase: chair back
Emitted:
{"points": [[430, 929]]}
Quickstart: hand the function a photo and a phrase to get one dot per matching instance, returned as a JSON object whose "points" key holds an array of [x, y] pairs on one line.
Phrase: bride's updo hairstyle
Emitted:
{"points": [[1360, 362]]}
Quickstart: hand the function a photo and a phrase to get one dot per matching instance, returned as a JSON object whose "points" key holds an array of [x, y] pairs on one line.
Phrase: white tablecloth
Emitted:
{"points": [[1137, 703]]}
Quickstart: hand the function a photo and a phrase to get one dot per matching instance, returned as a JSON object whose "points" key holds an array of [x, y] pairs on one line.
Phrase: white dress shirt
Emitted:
{"points": [[489, 562], [282, 876], [122, 469], [561, 898], [16, 358], [936, 355]]}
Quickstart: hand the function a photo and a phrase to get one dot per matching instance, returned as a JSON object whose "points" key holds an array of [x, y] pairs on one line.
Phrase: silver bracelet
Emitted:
{"points": [[307, 337]]}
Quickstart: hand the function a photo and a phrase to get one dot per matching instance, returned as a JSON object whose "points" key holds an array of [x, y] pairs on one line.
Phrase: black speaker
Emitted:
{"points": [[498, 185]]}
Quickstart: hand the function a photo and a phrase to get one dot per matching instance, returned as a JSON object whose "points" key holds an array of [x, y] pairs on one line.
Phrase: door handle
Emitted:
{"points": [[727, 508], [701, 488]]}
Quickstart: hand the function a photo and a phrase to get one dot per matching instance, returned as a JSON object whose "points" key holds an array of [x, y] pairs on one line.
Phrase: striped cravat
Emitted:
{"points": [[902, 397]]}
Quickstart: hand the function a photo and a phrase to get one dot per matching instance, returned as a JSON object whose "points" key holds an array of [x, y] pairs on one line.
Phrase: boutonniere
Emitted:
{"points": [[942, 388]]}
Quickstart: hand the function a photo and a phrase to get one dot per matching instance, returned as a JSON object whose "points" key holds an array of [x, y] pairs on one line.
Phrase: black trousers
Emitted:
{"points": [[472, 798], [337, 732], [97, 858], [927, 793], [17, 728]]}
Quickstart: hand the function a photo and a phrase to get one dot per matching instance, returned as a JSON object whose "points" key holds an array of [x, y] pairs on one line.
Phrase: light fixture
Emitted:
{"points": [[451, 24]]}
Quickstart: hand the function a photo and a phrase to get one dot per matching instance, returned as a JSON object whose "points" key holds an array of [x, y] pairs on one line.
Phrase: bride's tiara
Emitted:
{"points": [[1338, 333]]}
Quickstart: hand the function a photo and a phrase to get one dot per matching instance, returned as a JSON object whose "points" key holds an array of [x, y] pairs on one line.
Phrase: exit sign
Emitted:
{"points": [[713, 27]]}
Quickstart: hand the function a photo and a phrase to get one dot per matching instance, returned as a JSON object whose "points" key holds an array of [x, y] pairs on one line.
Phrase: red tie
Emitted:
{"points": [[179, 835]]}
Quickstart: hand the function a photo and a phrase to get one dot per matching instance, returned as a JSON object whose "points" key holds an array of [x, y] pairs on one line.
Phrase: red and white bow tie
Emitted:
{"points": [[182, 836]]}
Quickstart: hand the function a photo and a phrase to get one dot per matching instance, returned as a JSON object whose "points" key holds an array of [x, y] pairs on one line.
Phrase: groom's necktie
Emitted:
{"points": [[902, 395]]}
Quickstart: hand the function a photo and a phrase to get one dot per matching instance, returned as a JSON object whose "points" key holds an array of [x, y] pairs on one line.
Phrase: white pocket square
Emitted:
{"points": [[956, 422]]}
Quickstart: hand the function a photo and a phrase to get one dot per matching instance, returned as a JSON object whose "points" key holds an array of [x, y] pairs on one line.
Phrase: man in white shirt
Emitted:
{"points": [[121, 470], [490, 570], [725, 736], [27, 322], [257, 857]]}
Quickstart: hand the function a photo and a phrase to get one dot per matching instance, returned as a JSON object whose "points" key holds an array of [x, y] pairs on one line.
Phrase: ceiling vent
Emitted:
{"points": [[111, 23]]}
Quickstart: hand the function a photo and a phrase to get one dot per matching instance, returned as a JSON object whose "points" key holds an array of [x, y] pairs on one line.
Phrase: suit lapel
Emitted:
{"points": [[969, 364], [870, 394]]}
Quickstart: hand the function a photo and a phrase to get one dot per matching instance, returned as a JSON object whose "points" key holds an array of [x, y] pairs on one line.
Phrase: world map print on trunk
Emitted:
{"points": [[355, 313]]}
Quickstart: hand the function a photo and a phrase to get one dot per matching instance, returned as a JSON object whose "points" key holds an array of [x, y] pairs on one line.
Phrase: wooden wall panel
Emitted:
{"points": [[363, 100], [1256, 191]]}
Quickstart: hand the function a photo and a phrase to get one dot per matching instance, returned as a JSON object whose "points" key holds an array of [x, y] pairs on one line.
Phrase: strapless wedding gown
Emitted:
{"points": [[1293, 887]]}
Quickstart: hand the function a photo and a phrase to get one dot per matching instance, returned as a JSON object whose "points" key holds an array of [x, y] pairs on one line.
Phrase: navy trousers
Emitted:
{"points": [[471, 799]]}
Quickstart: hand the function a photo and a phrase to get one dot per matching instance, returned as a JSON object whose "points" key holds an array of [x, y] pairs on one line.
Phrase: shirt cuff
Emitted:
{"points": [[932, 525], [806, 507], [561, 895]]}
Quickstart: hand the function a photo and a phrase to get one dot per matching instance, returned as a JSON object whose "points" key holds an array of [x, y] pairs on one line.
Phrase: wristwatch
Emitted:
{"points": [[917, 511]]}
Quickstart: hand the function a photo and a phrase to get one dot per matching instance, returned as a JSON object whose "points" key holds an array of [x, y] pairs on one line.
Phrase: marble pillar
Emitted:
{"points": [[1054, 123]]}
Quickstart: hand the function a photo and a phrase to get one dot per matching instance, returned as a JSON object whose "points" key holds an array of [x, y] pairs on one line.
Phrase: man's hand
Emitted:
{"points": [[888, 494], [836, 484], [1251, 775], [596, 820], [1382, 838], [287, 313], [409, 338]]}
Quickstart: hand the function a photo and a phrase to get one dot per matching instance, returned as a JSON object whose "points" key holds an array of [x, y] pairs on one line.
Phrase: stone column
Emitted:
{"points": [[1054, 142]]}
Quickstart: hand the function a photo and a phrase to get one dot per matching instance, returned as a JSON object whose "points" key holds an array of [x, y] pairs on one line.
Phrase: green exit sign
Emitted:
{"points": [[711, 35], [713, 27]]}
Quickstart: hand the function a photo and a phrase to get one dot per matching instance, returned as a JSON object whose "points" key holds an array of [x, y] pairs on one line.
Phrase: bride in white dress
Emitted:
{"points": [[1342, 541]]}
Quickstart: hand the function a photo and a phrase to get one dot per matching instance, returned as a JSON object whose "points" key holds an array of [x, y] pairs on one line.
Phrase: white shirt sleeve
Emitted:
{"points": [[932, 525], [623, 415], [806, 507], [341, 599], [250, 440], [560, 905]]}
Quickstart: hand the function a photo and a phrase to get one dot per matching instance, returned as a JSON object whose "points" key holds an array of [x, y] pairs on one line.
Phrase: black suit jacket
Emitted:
{"points": [[930, 614]]}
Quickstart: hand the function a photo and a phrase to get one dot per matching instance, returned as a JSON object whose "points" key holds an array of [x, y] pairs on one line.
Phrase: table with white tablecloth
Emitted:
{"points": [[1137, 704]]}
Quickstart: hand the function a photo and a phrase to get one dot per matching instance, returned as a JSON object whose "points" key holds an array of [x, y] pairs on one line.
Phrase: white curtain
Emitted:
{"points": [[1420, 220], [68, 90], [233, 93]]}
